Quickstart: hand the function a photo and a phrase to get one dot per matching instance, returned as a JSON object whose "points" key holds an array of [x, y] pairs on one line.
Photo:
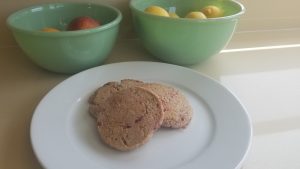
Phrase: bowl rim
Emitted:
{"points": [[114, 22], [224, 18]]}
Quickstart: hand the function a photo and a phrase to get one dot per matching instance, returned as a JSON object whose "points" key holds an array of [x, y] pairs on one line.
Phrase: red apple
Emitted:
{"points": [[83, 22]]}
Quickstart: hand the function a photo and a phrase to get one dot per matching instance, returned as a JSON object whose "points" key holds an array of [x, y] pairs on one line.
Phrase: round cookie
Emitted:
{"points": [[102, 93], [131, 122], [177, 110], [125, 83]]}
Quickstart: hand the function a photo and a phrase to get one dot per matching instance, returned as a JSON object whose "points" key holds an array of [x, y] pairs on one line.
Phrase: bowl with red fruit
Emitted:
{"points": [[66, 37]]}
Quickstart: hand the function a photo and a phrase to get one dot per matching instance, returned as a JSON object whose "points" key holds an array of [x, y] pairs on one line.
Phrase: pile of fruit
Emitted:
{"points": [[78, 23], [210, 11]]}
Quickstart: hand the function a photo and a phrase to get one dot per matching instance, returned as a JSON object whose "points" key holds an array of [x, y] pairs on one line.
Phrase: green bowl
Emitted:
{"points": [[185, 41], [65, 51]]}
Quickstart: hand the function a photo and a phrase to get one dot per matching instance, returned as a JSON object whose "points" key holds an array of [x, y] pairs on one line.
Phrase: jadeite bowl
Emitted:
{"points": [[185, 41], [65, 51]]}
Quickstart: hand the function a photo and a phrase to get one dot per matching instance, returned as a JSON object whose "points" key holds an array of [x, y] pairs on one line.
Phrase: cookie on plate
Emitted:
{"points": [[177, 110], [137, 113], [102, 93]]}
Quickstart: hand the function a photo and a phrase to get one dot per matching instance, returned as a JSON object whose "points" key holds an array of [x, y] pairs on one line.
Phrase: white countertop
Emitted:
{"points": [[261, 67]]}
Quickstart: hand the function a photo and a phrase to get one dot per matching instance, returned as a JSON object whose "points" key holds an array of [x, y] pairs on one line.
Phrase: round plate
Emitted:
{"points": [[64, 135]]}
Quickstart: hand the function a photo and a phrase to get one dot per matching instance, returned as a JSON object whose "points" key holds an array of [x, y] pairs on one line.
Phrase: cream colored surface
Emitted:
{"points": [[261, 65]]}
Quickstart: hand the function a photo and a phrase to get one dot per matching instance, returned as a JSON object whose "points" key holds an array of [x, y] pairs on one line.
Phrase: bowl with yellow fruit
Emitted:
{"points": [[185, 32], [66, 37]]}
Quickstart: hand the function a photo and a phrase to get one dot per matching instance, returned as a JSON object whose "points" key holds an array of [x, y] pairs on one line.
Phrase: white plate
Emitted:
{"points": [[64, 136]]}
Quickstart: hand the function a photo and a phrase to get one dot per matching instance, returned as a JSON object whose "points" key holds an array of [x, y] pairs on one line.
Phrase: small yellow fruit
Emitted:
{"points": [[212, 11], [196, 15], [156, 10], [173, 15], [49, 29]]}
